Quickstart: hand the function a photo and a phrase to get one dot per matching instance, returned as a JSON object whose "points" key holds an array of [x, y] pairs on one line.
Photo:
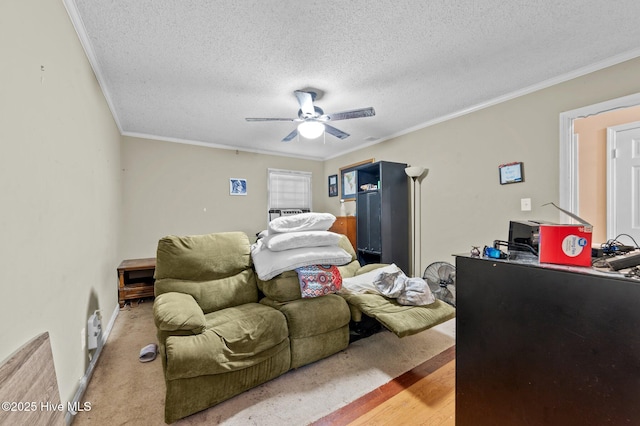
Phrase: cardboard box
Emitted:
{"points": [[566, 244]]}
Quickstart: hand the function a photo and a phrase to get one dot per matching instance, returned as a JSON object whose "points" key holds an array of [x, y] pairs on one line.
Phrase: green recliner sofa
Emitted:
{"points": [[222, 330], [216, 339]]}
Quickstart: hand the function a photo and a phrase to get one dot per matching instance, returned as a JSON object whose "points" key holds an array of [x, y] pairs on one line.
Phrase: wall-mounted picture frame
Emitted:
{"points": [[511, 173], [237, 186], [348, 181], [333, 186]]}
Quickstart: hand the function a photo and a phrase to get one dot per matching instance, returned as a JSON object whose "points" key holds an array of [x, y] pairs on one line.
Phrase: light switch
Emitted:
{"points": [[525, 204]]}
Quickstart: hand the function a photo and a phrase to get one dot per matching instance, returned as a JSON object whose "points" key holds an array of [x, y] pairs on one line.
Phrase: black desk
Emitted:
{"points": [[544, 345]]}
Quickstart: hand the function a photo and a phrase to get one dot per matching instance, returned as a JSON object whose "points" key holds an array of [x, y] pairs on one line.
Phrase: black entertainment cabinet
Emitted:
{"points": [[382, 210], [545, 345]]}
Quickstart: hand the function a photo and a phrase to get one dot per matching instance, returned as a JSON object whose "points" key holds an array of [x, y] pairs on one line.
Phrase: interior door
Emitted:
{"points": [[623, 181]]}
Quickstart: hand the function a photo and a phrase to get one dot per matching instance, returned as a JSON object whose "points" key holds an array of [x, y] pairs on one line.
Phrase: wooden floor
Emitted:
{"points": [[422, 396]]}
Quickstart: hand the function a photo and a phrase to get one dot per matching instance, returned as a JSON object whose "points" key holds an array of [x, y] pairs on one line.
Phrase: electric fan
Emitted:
{"points": [[441, 278]]}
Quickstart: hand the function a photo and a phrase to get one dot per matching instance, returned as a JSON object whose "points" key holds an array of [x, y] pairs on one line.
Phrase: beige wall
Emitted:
{"points": [[60, 187], [592, 165], [462, 202], [172, 188], [66, 184]]}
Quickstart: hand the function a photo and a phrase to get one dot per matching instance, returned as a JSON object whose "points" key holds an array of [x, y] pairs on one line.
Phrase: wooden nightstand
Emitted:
{"points": [[135, 279], [346, 225]]}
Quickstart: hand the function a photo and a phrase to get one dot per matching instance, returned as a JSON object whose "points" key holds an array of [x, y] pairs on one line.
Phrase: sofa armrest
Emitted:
{"points": [[178, 312]]}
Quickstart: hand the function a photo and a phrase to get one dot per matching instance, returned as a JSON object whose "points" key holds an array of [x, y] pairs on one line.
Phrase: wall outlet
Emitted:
{"points": [[525, 204]]}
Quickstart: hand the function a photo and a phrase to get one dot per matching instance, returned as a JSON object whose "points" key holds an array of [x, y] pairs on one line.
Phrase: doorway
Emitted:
{"points": [[571, 162], [623, 176]]}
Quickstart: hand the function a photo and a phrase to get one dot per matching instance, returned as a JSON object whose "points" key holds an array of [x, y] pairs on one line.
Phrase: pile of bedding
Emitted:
{"points": [[403, 305], [392, 283], [302, 243]]}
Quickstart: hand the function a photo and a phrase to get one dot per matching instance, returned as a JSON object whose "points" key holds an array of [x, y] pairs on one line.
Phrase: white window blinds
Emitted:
{"points": [[289, 189]]}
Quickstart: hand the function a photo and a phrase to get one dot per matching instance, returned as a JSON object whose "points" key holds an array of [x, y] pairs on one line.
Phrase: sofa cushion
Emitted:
{"points": [[281, 288], [203, 257], [286, 286], [345, 244], [235, 338], [310, 317], [214, 294], [350, 269], [178, 312], [402, 320]]}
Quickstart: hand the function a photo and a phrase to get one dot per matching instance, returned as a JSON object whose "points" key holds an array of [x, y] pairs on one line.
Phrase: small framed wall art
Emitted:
{"points": [[511, 173], [333, 186], [348, 179], [237, 186]]}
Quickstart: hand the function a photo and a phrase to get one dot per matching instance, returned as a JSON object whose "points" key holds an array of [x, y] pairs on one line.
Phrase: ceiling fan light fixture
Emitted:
{"points": [[311, 129]]}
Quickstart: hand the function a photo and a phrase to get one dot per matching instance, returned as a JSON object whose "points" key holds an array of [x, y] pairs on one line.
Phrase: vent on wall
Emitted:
{"points": [[94, 330]]}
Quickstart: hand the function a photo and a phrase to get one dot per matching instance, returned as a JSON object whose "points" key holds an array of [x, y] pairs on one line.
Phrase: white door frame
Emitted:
{"points": [[612, 133], [568, 149]]}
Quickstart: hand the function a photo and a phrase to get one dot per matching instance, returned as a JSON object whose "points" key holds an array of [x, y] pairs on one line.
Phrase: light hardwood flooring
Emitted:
{"points": [[422, 396]]}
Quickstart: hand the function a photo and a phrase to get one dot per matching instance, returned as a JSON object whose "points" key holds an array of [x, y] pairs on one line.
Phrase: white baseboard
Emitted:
{"points": [[84, 381]]}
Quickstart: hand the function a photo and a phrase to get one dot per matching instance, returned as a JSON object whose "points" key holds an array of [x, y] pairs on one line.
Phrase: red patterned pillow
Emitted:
{"points": [[318, 280]]}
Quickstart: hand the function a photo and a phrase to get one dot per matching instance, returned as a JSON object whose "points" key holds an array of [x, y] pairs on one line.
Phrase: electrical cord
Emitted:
{"points": [[517, 246], [614, 246]]}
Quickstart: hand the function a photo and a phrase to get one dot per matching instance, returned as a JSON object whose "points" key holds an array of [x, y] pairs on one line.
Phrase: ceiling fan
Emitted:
{"points": [[313, 120]]}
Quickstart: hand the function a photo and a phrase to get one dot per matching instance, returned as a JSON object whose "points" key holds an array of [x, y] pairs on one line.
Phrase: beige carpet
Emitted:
{"points": [[124, 391]]}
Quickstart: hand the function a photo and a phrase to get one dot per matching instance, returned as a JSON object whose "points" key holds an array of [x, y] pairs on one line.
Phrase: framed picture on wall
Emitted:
{"points": [[511, 173], [237, 186], [333, 186], [348, 179]]}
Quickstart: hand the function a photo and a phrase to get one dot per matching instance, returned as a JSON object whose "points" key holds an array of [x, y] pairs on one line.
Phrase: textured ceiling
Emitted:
{"points": [[192, 70]]}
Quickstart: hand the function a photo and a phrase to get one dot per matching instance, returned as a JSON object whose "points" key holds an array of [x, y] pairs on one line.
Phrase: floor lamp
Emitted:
{"points": [[415, 172]]}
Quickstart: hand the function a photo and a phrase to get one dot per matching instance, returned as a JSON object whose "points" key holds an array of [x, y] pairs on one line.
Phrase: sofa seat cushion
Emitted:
{"points": [[311, 317], [235, 338]]}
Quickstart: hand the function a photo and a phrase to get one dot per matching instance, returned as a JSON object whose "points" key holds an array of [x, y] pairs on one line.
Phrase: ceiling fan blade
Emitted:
{"points": [[290, 136], [335, 132], [272, 119], [305, 99], [356, 113]]}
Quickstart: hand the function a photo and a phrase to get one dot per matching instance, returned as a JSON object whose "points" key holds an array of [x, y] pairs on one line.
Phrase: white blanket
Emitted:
{"points": [[293, 240], [269, 263], [302, 222]]}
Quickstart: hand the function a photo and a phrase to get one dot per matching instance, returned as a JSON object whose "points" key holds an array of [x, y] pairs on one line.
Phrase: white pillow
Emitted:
{"points": [[292, 240], [269, 263], [302, 222]]}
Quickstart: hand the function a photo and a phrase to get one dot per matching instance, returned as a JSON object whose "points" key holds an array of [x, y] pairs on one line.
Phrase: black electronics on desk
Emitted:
{"points": [[525, 232]]}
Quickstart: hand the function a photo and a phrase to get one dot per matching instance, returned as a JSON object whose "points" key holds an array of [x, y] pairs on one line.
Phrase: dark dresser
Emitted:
{"points": [[545, 345]]}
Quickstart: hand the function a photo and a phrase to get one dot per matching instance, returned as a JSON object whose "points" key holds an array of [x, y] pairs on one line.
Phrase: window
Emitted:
{"points": [[289, 189]]}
